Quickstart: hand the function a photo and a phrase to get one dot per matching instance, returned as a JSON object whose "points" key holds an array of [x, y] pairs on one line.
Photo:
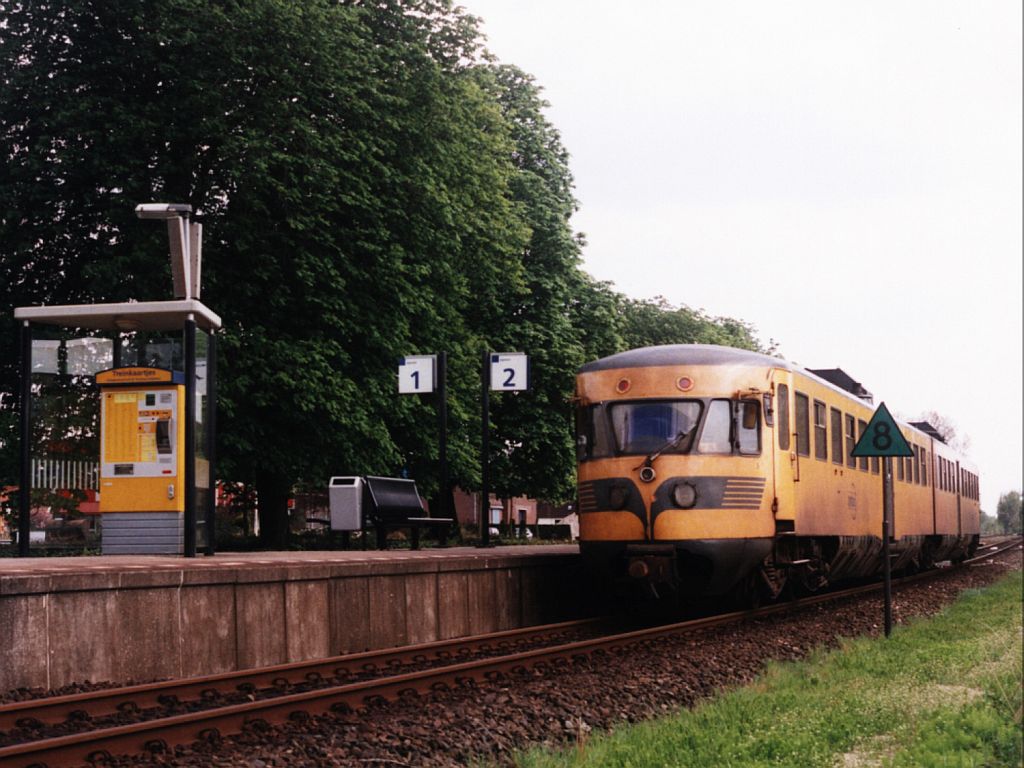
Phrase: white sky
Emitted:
{"points": [[846, 176]]}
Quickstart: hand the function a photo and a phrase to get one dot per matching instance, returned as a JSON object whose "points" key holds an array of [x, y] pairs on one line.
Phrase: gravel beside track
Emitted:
{"points": [[562, 703]]}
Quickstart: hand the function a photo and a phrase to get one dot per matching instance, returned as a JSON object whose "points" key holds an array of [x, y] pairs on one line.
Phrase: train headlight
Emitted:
{"points": [[684, 495], [618, 497]]}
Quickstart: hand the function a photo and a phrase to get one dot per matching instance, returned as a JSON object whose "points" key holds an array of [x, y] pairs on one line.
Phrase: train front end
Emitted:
{"points": [[675, 478]]}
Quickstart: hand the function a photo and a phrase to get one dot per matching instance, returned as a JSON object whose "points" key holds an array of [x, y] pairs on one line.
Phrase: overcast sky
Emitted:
{"points": [[845, 176]]}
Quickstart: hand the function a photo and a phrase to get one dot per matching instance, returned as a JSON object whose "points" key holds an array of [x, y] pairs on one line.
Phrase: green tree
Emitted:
{"points": [[656, 321], [533, 436], [1008, 512], [352, 173]]}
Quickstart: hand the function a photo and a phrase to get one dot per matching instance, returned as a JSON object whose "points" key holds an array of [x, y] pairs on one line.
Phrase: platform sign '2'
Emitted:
{"points": [[510, 371]]}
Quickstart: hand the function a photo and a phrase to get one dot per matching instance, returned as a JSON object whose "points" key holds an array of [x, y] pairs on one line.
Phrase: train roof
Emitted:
{"points": [[684, 354]]}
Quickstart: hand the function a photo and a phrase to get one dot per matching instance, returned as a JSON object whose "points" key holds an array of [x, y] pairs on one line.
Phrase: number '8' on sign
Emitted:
{"points": [[510, 371]]}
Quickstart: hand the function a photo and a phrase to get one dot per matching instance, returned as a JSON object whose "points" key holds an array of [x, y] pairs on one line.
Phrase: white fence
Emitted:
{"points": [[66, 474]]}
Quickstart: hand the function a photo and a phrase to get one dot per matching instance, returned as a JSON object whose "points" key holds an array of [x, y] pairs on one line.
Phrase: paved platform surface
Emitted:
{"points": [[22, 566]]}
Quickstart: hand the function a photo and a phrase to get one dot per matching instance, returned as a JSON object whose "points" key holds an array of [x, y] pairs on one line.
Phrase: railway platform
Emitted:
{"points": [[135, 618]]}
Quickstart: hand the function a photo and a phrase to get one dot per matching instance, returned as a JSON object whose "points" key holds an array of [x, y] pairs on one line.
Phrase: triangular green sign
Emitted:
{"points": [[882, 437]]}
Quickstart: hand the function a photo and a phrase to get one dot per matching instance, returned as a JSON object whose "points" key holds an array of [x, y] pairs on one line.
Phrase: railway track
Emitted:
{"points": [[226, 704]]}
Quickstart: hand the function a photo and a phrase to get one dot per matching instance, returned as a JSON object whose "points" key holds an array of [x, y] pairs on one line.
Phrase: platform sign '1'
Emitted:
{"points": [[416, 374], [882, 438]]}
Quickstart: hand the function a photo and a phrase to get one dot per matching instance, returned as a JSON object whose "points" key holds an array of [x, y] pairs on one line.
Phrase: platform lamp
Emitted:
{"points": [[186, 238]]}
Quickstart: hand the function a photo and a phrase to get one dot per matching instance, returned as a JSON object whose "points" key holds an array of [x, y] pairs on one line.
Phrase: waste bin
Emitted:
{"points": [[345, 496]]}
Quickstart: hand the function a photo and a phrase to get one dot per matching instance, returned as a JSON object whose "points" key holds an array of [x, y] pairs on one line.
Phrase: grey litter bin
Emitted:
{"points": [[345, 495]]}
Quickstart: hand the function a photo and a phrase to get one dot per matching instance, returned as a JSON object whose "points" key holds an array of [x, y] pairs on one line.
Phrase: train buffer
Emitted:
{"points": [[383, 504]]}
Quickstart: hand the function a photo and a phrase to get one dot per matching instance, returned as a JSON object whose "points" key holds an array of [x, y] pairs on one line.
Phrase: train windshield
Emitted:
{"points": [[642, 428]]}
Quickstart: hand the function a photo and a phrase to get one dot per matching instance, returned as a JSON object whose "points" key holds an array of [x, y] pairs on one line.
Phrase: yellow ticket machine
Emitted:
{"points": [[142, 459]]}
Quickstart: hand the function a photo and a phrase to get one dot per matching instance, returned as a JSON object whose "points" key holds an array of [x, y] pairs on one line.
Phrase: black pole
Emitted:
{"points": [[442, 430], [887, 522], [190, 438], [211, 442], [485, 449], [24, 518]]}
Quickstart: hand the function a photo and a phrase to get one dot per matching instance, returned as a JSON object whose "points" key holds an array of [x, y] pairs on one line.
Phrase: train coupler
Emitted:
{"points": [[653, 565]]}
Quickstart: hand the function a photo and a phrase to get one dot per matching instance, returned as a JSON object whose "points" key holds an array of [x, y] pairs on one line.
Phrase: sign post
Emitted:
{"points": [[502, 372], [425, 374], [882, 438]]}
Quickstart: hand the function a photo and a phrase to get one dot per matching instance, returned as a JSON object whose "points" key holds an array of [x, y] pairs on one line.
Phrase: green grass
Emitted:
{"points": [[940, 692]]}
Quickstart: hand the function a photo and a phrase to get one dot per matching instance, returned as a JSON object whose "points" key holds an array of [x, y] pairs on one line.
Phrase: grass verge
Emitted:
{"points": [[944, 691]]}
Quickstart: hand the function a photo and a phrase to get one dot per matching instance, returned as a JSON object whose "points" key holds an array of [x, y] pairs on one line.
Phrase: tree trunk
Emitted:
{"points": [[273, 506]]}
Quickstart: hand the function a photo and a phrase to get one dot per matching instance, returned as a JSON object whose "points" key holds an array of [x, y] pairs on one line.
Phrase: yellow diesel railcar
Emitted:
{"points": [[711, 470]]}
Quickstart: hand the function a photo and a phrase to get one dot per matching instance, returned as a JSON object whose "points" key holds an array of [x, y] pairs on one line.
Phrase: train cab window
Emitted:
{"points": [[592, 440], [714, 436], [803, 426], [862, 427], [851, 441], [820, 432], [647, 426], [837, 436], [748, 427], [782, 411]]}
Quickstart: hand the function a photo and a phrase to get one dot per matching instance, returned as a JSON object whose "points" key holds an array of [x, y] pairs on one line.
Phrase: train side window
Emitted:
{"points": [[917, 464], [899, 468], [820, 432], [748, 427], [910, 468], [862, 427], [875, 465], [803, 431], [837, 436], [782, 411], [851, 441], [924, 466]]}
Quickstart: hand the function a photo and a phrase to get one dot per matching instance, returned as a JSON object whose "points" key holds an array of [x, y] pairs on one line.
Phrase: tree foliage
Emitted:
{"points": [[1009, 512], [372, 184]]}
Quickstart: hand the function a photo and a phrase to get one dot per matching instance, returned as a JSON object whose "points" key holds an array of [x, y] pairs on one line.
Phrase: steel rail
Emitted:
{"points": [[109, 701], [158, 734]]}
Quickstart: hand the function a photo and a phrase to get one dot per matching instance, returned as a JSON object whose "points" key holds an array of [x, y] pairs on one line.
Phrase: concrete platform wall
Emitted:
{"points": [[135, 624]]}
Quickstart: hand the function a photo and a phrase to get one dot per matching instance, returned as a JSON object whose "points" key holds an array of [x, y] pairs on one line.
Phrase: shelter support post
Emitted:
{"points": [[25, 497], [190, 437], [211, 442]]}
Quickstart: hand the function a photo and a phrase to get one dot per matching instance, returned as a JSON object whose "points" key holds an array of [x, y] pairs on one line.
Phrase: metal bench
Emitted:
{"points": [[394, 504]]}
